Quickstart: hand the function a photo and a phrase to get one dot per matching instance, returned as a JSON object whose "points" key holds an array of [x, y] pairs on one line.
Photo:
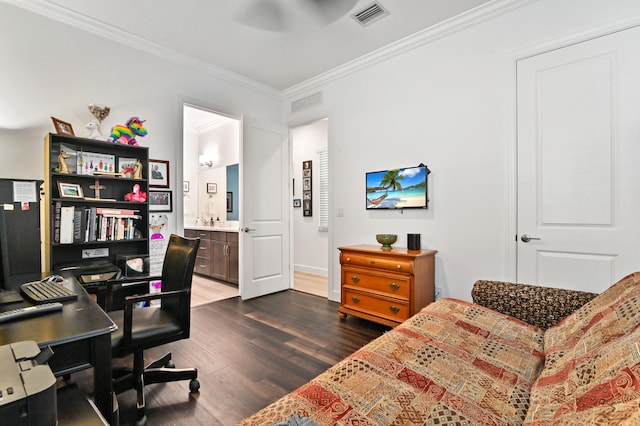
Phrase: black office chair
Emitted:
{"points": [[142, 328]]}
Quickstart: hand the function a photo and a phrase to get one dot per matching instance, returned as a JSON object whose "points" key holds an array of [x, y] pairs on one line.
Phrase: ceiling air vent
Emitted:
{"points": [[369, 14], [306, 102]]}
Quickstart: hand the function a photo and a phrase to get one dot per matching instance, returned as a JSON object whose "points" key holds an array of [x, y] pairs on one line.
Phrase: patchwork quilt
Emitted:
{"points": [[459, 363], [452, 363]]}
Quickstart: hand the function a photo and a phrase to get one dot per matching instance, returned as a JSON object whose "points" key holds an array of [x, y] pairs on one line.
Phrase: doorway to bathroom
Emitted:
{"points": [[211, 147]]}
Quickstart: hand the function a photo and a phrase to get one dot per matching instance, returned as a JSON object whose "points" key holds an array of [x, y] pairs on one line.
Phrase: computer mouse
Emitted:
{"points": [[53, 279]]}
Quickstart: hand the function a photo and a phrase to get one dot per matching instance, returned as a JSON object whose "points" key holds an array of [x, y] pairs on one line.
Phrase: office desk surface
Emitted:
{"points": [[80, 336], [79, 319]]}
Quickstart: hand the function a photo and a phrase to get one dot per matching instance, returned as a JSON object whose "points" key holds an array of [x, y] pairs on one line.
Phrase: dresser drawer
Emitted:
{"points": [[203, 266], [368, 261], [205, 249], [190, 233], [395, 286], [369, 304], [197, 233]]}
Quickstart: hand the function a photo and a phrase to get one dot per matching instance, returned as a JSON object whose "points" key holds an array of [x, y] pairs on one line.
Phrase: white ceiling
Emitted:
{"points": [[209, 32]]}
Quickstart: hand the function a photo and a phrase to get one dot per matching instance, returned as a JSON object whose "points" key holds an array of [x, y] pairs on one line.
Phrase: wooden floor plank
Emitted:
{"points": [[248, 354]]}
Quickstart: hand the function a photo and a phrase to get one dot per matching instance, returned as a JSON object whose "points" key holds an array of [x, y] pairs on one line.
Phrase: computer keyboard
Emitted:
{"points": [[46, 291], [30, 311]]}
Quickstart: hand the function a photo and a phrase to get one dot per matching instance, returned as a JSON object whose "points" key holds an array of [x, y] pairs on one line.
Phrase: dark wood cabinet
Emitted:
{"points": [[218, 254]]}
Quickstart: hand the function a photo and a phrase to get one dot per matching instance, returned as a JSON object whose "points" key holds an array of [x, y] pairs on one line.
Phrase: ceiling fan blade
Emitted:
{"points": [[268, 15], [328, 11], [285, 16]]}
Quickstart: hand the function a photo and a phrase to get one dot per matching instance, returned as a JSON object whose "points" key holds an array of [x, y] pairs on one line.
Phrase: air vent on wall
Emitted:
{"points": [[369, 14], [306, 102]]}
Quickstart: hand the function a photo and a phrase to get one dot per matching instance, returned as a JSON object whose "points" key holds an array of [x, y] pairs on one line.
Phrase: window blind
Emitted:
{"points": [[323, 189]]}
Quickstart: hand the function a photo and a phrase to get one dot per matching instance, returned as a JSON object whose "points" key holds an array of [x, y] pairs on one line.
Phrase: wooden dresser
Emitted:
{"points": [[385, 286]]}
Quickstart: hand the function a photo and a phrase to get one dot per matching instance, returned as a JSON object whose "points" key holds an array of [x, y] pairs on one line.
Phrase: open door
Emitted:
{"points": [[264, 211]]}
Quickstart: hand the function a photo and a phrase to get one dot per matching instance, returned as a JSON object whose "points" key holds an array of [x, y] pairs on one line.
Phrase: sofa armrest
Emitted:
{"points": [[539, 306]]}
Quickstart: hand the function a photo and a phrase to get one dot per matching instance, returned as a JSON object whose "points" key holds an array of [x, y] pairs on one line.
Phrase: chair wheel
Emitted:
{"points": [[194, 386]]}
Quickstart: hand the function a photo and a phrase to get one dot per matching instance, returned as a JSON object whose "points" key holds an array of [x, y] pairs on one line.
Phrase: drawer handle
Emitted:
{"points": [[355, 299], [399, 266], [394, 286], [394, 309], [355, 279], [348, 259], [373, 262]]}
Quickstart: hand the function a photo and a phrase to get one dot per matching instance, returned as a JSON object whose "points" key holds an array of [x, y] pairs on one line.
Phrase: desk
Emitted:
{"points": [[80, 336]]}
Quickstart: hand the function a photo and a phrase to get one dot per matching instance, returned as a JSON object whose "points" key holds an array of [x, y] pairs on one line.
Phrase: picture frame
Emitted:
{"points": [[229, 201], [89, 163], [62, 127], [306, 165], [297, 203], [70, 190], [124, 162], [185, 186], [212, 188], [306, 173], [158, 173], [160, 201], [306, 184]]}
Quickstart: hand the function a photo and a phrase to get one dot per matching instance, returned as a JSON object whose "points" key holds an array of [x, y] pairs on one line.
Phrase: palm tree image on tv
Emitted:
{"points": [[397, 188]]}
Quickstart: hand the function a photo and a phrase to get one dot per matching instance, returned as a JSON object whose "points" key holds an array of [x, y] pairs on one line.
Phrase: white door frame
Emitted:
{"points": [[511, 150]]}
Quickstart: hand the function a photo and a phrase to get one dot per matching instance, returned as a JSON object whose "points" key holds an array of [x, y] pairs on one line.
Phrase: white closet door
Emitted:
{"points": [[579, 163]]}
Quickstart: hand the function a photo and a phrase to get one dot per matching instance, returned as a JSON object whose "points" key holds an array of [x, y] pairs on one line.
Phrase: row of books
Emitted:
{"points": [[76, 224]]}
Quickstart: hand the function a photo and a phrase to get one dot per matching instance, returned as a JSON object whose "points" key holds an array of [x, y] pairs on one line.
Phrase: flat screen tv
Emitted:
{"points": [[404, 188]]}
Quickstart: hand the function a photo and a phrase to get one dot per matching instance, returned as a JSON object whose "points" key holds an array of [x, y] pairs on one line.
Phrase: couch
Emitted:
{"points": [[519, 354]]}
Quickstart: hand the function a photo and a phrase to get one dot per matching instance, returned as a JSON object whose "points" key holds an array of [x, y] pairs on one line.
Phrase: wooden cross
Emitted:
{"points": [[97, 187]]}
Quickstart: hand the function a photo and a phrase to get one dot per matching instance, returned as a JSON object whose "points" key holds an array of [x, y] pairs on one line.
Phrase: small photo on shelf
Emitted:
{"points": [[70, 190]]}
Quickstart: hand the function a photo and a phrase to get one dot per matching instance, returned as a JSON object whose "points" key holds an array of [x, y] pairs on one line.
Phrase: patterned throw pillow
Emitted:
{"points": [[592, 367], [609, 315]]}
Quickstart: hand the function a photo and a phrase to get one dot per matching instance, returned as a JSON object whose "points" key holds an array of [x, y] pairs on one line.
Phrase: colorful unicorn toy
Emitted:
{"points": [[126, 134]]}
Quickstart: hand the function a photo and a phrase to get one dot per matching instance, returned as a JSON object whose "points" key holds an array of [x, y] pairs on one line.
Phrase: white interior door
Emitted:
{"points": [[264, 211], [578, 163]]}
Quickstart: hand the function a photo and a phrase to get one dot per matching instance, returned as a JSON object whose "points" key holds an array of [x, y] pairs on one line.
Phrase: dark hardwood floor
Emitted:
{"points": [[248, 354]]}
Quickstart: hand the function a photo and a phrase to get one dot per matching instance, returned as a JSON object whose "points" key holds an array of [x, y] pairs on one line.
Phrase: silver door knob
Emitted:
{"points": [[247, 229], [526, 238]]}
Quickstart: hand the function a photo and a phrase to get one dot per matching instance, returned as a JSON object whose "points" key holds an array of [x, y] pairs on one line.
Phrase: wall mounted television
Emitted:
{"points": [[404, 188]]}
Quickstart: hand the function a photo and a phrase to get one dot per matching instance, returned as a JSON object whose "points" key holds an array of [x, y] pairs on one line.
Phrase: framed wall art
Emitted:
{"points": [[212, 188], [229, 201], [160, 201], [159, 173], [307, 188]]}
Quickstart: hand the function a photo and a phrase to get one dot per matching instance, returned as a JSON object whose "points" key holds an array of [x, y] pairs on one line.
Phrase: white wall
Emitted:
{"points": [[190, 156], [449, 104], [51, 69], [310, 246]]}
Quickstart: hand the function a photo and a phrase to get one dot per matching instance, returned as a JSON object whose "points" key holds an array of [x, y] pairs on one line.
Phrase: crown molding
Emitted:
{"points": [[90, 25], [445, 28], [458, 23]]}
